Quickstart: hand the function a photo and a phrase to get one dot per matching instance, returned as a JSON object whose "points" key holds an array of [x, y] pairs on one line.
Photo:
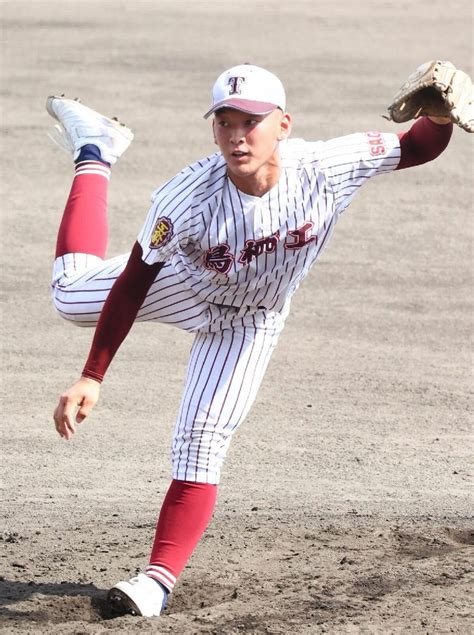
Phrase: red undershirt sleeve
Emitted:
{"points": [[119, 312], [423, 142]]}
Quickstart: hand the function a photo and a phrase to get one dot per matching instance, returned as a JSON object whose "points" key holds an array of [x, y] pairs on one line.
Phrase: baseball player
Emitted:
{"points": [[225, 245]]}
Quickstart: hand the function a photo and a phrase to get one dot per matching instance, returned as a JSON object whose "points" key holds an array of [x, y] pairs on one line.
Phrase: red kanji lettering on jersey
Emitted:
{"points": [[254, 248], [376, 144], [301, 236], [162, 233], [218, 258]]}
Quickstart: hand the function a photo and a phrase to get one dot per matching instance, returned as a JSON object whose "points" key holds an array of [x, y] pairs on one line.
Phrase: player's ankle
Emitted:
{"points": [[162, 586], [90, 152]]}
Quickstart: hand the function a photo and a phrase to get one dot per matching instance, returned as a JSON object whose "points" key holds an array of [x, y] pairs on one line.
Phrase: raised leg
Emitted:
{"points": [[82, 278]]}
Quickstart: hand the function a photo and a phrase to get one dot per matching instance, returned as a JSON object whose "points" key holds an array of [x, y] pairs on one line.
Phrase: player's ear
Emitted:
{"points": [[285, 126], [214, 131]]}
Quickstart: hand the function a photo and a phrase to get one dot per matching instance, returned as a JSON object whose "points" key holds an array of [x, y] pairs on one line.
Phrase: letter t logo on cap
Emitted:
{"points": [[235, 83]]}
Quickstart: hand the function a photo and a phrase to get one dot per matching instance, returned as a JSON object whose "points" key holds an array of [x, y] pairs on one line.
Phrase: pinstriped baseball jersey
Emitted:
{"points": [[233, 263], [239, 250]]}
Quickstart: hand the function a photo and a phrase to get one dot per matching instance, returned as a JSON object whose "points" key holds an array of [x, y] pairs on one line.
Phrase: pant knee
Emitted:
{"points": [[199, 455], [73, 312]]}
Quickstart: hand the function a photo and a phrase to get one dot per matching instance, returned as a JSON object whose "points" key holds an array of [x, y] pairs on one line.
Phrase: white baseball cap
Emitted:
{"points": [[249, 89]]}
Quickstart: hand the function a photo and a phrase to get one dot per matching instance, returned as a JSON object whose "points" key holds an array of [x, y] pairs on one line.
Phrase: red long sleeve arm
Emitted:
{"points": [[423, 142], [119, 312]]}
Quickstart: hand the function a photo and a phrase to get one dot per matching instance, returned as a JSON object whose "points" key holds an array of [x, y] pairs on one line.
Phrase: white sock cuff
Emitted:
{"points": [[93, 167], [161, 574]]}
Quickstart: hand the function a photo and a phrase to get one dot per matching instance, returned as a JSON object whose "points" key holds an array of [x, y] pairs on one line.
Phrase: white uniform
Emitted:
{"points": [[233, 261]]}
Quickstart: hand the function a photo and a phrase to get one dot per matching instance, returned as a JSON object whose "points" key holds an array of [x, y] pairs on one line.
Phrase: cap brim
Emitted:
{"points": [[244, 105]]}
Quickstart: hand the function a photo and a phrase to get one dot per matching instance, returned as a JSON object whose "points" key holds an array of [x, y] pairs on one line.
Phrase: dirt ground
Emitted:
{"points": [[345, 505]]}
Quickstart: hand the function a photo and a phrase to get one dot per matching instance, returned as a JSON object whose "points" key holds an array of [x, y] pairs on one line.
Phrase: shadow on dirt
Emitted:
{"points": [[52, 602]]}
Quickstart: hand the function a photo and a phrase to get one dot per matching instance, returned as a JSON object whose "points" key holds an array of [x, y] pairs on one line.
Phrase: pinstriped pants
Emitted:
{"points": [[228, 359]]}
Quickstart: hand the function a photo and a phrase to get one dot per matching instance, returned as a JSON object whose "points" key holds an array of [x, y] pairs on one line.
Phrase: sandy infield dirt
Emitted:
{"points": [[345, 504]]}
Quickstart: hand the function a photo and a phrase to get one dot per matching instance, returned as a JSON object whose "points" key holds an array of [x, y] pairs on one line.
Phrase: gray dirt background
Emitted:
{"points": [[345, 505]]}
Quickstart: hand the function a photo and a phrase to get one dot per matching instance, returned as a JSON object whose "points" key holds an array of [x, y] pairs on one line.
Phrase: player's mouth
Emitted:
{"points": [[239, 155]]}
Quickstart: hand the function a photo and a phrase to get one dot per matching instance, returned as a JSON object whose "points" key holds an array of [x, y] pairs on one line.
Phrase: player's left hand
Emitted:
{"points": [[74, 406], [439, 90]]}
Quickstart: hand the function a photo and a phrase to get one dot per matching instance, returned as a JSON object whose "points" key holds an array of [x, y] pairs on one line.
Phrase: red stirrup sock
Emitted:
{"points": [[184, 515], [84, 227]]}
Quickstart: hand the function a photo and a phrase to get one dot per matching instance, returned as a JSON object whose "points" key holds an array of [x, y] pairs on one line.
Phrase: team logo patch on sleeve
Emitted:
{"points": [[162, 233]]}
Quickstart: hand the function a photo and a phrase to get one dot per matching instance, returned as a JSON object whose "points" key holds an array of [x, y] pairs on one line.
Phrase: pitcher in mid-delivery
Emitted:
{"points": [[225, 245]]}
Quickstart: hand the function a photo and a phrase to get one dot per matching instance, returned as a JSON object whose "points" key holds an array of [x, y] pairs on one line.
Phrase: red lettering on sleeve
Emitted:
{"points": [[376, 143]]}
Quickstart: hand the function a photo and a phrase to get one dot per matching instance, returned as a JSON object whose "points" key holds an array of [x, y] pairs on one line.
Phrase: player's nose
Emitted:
{"points": [[237, 135]]}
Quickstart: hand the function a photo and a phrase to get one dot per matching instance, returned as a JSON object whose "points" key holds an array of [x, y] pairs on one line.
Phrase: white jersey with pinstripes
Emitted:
{"points": [[238, 250], [233, 263]]}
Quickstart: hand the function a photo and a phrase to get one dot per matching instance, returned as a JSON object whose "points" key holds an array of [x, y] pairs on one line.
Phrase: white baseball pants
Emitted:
{"points": [[228, 359]]}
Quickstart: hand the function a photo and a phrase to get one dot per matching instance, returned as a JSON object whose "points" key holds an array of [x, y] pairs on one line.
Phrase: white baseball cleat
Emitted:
{"points": [[139, 596], [79, 125]]}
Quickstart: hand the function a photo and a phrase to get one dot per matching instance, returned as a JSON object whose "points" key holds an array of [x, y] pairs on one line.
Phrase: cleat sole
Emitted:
{"points": [[121, 603]]}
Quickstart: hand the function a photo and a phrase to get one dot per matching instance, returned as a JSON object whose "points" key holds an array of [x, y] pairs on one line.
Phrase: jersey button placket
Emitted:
{"points": [[261, 222]]}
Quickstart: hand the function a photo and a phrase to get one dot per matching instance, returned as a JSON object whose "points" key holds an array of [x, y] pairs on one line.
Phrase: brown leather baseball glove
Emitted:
{"points": [[436, 88]]}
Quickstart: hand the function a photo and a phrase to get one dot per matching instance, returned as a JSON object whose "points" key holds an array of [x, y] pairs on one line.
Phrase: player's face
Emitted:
{"points": [[249, 144]]}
